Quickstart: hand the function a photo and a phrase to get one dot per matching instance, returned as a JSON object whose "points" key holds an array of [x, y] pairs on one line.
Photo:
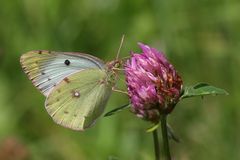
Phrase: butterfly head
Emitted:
{"points": [[114, 65], [112, 68]]}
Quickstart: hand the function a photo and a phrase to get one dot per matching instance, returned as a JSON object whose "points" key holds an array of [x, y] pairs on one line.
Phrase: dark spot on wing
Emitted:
{"points": [[49, 79], [66, 112], [42, 73], [48, 104], [66, 80], [101, 81], [67, 62]]}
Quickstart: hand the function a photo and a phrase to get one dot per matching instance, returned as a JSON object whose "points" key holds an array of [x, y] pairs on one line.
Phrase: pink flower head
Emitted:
{"points": [[154, 87]]}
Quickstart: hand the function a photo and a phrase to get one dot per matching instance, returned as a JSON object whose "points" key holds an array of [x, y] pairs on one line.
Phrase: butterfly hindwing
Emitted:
{"points": [[79, 99], [46, 69]]}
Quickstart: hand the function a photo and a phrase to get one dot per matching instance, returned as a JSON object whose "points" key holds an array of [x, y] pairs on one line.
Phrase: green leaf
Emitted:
{"points": [[117, 110], [202, 89], [152, 128]]}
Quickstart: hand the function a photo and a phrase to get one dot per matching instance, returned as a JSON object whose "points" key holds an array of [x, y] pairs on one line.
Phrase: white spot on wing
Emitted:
{"points": [[76, 94]]}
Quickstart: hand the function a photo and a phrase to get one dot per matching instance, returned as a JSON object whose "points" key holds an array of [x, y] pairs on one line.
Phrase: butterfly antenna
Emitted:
{"points": [[120, 46]]}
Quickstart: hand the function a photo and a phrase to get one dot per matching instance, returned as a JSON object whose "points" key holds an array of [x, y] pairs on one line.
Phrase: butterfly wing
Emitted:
{"points": [[46, 69], [79, 99]]}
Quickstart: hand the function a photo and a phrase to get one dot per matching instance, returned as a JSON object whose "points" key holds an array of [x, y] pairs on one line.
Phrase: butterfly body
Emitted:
{"points": [[77, 86]]}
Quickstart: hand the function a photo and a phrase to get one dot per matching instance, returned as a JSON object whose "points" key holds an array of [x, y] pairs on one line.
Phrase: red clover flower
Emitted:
{"points": [[154, 86]]}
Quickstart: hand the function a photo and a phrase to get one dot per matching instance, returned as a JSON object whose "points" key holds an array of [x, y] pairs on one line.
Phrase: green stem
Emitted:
{"points": [[156, 144], [165, 137]]}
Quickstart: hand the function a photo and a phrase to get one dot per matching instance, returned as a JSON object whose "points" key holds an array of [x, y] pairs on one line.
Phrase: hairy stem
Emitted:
{"points": [[156, 144], [166, 150]]}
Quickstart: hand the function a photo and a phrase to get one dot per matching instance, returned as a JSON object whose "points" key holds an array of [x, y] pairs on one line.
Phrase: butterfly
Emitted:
{"points": [[77, 86]]}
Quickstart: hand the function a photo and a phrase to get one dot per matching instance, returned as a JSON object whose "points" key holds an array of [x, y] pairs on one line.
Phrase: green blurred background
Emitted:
{"points": [[201, 38]]}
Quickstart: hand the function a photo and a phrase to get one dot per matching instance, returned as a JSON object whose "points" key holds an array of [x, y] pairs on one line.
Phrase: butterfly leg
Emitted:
{"points": [[118, 90], [118, 69]]}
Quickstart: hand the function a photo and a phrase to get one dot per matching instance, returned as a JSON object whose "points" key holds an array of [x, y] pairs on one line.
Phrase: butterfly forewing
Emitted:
{"points": [[46, 69], [79, 99]]}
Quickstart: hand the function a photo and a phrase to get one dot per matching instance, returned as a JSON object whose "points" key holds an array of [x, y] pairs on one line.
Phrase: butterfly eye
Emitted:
{"points": [[67, 62], [117, 65]]}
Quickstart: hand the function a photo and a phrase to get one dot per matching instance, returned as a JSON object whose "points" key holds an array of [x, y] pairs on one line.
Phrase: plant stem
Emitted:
{"points": [[166, 150], [156, 144]]}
